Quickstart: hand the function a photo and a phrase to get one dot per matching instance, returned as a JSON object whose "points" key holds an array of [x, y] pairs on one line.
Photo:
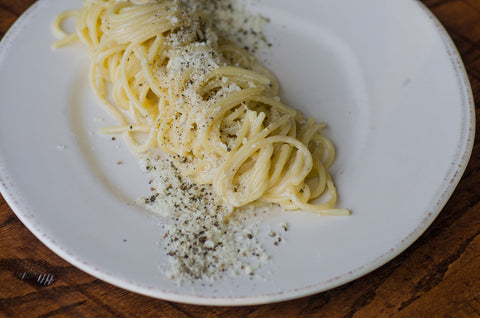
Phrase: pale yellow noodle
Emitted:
{"points": [[172, 84]]}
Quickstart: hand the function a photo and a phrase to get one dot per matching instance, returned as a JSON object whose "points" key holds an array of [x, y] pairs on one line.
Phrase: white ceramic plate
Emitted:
{"points": [[383, 74]]}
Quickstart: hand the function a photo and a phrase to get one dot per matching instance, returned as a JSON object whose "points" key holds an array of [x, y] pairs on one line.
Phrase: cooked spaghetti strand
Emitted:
{"points": [[173, 84]]}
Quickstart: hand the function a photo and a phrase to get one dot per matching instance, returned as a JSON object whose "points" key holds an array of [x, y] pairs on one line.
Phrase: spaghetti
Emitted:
{"points": [[174, 85]]}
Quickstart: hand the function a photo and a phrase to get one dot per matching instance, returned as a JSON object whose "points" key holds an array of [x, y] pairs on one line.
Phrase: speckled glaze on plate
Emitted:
{"points": [[384, 75]]}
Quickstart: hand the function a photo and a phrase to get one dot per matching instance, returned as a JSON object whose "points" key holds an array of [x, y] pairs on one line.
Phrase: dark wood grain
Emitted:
{"points": [[438, 276]]}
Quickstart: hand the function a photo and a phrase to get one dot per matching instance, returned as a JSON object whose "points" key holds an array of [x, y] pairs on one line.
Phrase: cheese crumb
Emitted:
{"points": [[231, 20], [204, 238]]}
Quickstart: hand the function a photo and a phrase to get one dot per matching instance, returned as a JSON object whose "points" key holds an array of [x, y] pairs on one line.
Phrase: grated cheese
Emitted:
{"points": [[203, 237], [232, 21]]}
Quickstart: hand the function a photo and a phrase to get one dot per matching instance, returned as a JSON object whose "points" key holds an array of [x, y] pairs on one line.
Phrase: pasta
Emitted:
{"points": [[172, 84]]}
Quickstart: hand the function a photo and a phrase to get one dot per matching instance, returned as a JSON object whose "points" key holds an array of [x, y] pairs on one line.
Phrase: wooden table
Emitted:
{"points": [[438, 276]]}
